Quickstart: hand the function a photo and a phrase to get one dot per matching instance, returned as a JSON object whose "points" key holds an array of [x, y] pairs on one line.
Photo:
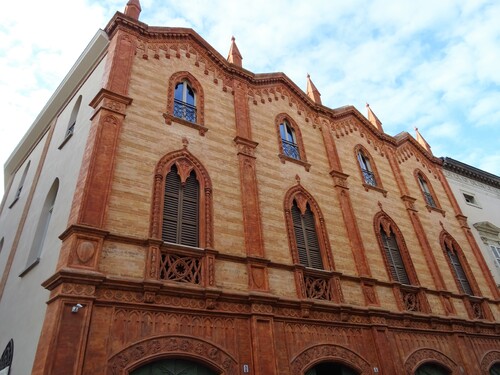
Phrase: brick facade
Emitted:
{"points": [[253, 306]]}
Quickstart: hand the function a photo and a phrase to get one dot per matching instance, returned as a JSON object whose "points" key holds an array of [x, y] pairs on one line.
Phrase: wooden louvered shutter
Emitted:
{"points": [[180, 210], [170, 226], [459, 272], [394, 258], [306, 238], [189, 213]]}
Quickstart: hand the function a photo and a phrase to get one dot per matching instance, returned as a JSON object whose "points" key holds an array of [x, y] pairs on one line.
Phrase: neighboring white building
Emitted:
{"points": [[478, 195]]}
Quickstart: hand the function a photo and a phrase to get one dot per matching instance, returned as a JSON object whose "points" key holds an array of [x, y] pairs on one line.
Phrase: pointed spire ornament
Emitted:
{"points": [[312, 91], [422, 141], [234, 56], [133, 9], [374, 119]]}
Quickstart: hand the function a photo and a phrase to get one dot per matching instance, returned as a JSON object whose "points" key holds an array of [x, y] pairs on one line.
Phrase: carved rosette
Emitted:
{"points": [[305, 360], [149, 350], [84, 252]]}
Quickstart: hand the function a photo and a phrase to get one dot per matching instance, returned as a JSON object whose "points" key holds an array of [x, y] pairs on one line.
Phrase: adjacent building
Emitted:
{"points": [[478, 195], [171, 212]]}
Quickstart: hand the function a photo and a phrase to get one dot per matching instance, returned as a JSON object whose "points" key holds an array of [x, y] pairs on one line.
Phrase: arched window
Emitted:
{"points": [[185, 101], [366, 169], [21, 184], [393, 256], [72, 119], [181, 209], [431, 369], [495, 369], [456, 262], [173, 366], [42, 227], [306, 237], [426, 189], [289, 141], [6, 358], [1, 245]]}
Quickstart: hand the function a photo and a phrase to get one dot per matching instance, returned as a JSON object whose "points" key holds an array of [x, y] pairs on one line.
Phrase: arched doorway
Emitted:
{"points": [[331, 368], [495, 369], [431, 369], [173, 367]]}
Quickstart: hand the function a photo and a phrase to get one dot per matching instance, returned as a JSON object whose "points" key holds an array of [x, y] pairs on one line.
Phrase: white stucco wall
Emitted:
{"points": [[23, 304], [486, 209]]}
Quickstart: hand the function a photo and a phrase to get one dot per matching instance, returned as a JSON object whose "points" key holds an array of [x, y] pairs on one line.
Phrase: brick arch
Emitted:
{"points": [[176, 346], [303, 197], [489, 359], [198, 89], [185, 162], [384, 222], [360, 148], [316, 354], [426, 355]]}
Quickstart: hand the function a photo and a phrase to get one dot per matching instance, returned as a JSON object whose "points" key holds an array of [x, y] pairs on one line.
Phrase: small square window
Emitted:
{"points": [[470, 199]]}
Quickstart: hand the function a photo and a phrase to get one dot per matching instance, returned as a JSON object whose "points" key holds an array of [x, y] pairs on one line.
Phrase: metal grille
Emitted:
{"points": [[290, 149], [184, 111], [318, 287], [429, 199], [369, 177], [180, 268]]}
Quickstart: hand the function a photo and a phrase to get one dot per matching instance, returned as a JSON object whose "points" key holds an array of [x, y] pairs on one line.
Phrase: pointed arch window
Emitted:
{"points": [[306, 237], [454, 260], [181, 209], [21, 184], [290, 141], [427, 191], [393, 256], [42, 227], [366, 169], [185, 102], [72, 122], [310, 247]]}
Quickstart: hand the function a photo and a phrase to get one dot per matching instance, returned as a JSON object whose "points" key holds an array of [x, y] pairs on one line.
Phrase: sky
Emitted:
{"points": [[432, 64]]}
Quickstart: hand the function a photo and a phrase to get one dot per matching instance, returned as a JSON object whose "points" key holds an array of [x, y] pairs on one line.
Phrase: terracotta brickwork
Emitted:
{"points": [[241, 302]]}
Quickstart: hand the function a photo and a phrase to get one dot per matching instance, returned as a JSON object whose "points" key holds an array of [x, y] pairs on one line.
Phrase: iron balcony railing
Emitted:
{"points": [[369, 177], [184, 111], [290, 149], [429, 199]]}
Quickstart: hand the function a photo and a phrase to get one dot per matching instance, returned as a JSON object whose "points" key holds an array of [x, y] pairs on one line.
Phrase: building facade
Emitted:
{"points": [[478, 195], [183, 214]]}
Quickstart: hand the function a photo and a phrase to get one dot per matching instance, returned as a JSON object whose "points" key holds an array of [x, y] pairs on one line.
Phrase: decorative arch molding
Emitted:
{"points": [[161, 347], [425, 355], [299, 194], [185, 162], [326, 353], [447, 241], [200, 101], [489, 359], [382, 220], [298, 135]]}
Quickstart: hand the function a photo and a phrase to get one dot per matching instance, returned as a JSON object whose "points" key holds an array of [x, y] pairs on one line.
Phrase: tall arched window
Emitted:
{"points": [[431, 369], [185, 101], [173, 366], [289, 140], [74, 115], [1, 245], [457, 263], [21, 184], [42, 227], [181, 209], [393, 256], [426, 189], [306, 237], [366, 169]]}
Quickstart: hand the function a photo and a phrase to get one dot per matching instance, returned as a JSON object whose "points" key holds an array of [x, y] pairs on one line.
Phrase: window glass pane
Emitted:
{"points": [[190, 95], [179, 89]]}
